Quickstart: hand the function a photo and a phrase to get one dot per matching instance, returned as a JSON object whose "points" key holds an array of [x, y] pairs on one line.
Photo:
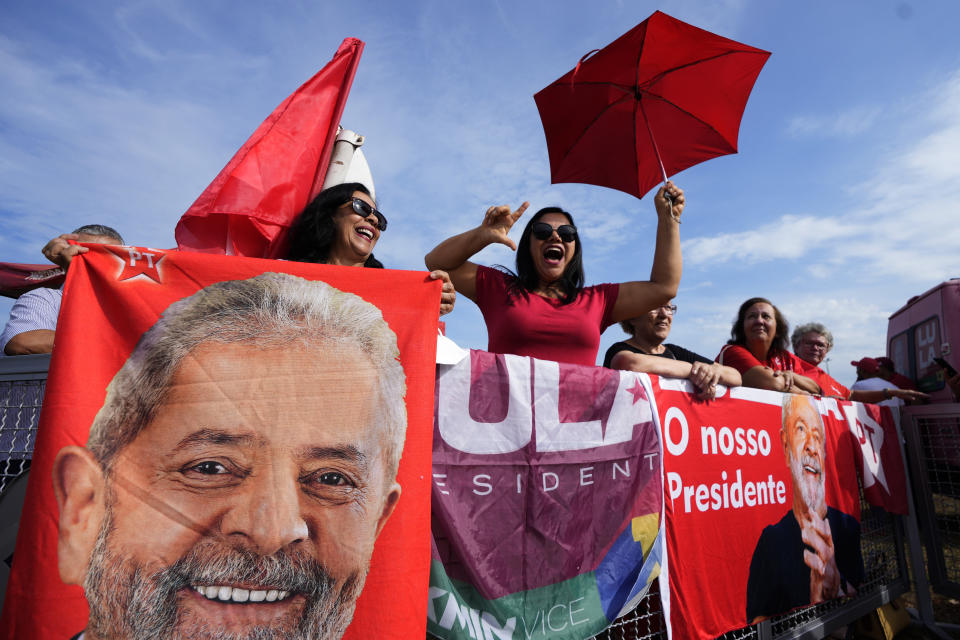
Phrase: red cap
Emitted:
{"points": [[884, 361], [869, 365]]}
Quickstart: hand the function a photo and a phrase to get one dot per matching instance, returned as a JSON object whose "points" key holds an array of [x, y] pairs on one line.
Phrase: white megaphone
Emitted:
{"points": [[347, 162]]}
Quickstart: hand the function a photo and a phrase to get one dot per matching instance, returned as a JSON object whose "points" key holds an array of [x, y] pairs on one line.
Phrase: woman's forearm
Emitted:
{"points": [[729, 376], [453, 252], [784, 381], [762, 378], [667, 258], [806, 384]]}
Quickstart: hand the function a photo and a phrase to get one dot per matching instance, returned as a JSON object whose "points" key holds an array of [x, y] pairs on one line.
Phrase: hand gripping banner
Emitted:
{"points": [[230, 448], [546, 499], [761, 501]]}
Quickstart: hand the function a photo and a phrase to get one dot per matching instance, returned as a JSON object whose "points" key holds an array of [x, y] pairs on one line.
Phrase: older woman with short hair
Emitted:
{"points": [[812, 342]]}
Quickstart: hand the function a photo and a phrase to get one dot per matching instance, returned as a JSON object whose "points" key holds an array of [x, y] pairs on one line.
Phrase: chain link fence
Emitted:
{"points": [[886, 578], [22, 383], [933, 443]]}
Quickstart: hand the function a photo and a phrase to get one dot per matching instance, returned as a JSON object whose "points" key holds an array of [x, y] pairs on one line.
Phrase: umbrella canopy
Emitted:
{"points": [[660, 98], [248, 207]]}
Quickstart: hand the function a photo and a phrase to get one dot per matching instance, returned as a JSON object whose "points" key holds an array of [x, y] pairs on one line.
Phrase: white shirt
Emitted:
{"points": [[878, 384]]}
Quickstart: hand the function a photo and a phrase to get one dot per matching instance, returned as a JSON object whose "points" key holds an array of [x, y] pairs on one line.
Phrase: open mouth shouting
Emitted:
{"points": [[553, 255]]}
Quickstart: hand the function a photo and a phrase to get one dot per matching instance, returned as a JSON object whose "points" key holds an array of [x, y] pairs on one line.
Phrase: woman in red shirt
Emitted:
{"points": [[543, 310], [758, 350]]}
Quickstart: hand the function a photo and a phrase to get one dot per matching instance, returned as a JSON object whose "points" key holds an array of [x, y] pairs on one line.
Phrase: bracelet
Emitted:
{"points": [[675, 217], [669, 200], [886, 394]]}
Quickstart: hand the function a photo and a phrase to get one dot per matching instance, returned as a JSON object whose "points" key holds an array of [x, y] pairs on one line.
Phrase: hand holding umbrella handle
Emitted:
{"points": [[671, 197], [669, 200]]}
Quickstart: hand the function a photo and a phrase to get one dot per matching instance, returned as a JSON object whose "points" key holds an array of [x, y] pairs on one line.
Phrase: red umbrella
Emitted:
{"points": [[660, 98]]}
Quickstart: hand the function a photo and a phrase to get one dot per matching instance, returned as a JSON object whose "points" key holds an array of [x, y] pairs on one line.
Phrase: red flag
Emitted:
{"points": [[277, 172], [16, 279], [330, 499]]}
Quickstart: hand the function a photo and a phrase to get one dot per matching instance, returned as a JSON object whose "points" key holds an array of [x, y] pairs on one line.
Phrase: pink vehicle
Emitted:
{"points": [[924, 329]]}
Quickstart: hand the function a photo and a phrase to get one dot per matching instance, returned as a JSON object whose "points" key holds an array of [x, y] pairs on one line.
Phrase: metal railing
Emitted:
{"points": [[884, 555], [932, 433], [22, 383]]}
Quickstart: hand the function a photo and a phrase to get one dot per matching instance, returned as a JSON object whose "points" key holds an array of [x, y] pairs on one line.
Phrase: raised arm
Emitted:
{"points": [[638, 297], [453, 254]]}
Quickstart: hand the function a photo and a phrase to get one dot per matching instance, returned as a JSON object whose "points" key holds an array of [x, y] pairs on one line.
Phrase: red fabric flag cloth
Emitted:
{"points": [[240, 464], [277, 172], [16, 278], [756, 482], [873, 442]]}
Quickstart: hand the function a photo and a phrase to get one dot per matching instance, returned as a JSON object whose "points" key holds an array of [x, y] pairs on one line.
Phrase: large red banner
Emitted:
{"points": [[762, 504], [219, 453]]}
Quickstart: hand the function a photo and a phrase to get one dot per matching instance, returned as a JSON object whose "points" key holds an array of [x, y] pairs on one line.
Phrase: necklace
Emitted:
{"points": [[647, 352]]}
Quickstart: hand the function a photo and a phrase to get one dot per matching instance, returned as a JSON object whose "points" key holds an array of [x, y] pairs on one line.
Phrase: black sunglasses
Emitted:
{"points": [[364, 209], [542, 231]]}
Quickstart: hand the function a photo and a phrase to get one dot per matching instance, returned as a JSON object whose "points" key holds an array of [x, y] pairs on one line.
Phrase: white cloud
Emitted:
{"points": [[902, 220], [845, 124], [788, 238], [889, 235]]}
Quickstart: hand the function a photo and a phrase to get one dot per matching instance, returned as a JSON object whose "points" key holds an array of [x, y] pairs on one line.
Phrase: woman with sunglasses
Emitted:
{"points": [[342, 226], [543, 310]]}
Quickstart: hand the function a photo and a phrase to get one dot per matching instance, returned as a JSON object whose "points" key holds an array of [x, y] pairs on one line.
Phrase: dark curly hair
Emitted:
{"points": [[311, 234], [527, 280], [781, 337]]}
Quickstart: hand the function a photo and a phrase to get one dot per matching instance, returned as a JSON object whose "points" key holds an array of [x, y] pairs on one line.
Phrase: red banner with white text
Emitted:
{"points": [[762, 504], [230, 447]]}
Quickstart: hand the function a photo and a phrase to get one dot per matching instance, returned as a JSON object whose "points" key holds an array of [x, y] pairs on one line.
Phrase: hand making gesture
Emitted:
{"points": [[498, 221], [669, 201]]}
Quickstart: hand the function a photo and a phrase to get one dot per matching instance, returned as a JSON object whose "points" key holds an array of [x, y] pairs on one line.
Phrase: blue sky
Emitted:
{"points": [[841, 204]]}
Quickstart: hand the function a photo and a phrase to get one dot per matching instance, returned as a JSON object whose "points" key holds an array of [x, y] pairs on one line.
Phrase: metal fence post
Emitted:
{"points": [[914, 544]]}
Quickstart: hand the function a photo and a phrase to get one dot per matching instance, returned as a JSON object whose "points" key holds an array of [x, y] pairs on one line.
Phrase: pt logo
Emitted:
{"points": [[138, 261]]}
